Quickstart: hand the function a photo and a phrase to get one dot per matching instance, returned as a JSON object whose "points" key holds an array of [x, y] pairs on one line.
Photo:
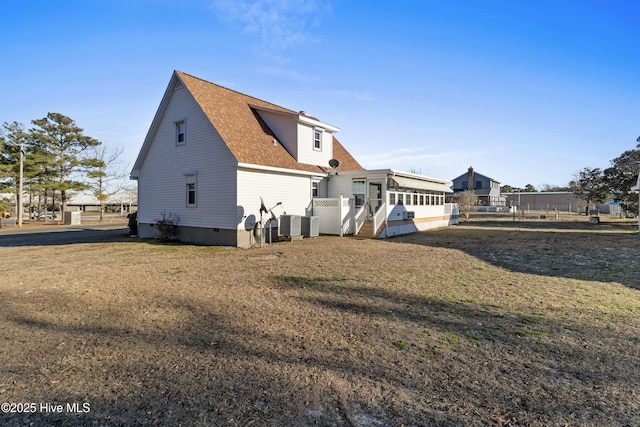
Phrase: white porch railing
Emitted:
{"points": [[379, 217], [360, 217], [338, 216]]}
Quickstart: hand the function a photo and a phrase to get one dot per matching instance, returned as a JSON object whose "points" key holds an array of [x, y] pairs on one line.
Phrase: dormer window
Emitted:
{"points": [[317, 139], [181, 132]]}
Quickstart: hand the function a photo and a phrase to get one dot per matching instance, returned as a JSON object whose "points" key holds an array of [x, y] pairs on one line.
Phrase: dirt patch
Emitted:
{"points": [[481, 324]]}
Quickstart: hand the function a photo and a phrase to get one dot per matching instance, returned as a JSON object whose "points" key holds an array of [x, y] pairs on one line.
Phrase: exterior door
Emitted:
{"points": [[375, 197]]}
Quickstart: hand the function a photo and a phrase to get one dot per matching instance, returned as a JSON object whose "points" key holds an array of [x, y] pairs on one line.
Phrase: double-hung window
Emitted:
{"points": [[191, 193], [317, 139], [181, 132]]}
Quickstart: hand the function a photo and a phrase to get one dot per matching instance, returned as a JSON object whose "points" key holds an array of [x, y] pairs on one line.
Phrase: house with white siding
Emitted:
{"points": [[218, 159]]}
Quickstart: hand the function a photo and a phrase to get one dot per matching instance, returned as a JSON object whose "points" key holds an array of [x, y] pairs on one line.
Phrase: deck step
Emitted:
{"points": [[367, 230]]}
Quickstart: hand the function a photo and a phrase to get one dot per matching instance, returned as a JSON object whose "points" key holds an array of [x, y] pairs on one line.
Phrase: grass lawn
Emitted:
{"points": [[492, 322]]}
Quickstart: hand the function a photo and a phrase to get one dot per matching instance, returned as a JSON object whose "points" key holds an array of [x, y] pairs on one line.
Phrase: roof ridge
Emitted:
{"points": [[236, 91]]}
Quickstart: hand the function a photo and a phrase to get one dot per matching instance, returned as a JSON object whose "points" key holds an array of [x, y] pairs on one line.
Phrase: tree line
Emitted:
{"points": [[595, 185], [58, 159]]}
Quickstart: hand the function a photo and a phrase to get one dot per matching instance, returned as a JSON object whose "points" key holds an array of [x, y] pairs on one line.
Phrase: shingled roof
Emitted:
{"points": [[247, 136]]}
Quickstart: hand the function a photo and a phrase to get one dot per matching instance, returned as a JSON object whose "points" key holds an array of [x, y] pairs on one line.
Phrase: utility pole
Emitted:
{"points": [[20, 207]]}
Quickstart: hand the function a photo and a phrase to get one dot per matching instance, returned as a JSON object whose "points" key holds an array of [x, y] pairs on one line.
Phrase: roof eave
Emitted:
{"points": [[317, 123], [281, 170]]}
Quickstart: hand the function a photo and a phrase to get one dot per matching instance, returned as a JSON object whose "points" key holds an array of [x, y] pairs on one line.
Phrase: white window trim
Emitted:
{"points": [[319, 131], [177, 123], [364, 190], [191, 177]]}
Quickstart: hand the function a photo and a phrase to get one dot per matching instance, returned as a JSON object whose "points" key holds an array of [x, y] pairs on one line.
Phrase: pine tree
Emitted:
{"points": [[62, 143]]}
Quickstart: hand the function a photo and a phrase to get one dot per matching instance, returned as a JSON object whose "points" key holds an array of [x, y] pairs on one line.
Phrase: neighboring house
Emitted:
{"points": [[212, 155], [487, 189]]}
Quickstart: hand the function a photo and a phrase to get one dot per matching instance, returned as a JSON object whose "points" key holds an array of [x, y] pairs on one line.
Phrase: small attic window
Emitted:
{"points": [[181, 134], [317, 139]]}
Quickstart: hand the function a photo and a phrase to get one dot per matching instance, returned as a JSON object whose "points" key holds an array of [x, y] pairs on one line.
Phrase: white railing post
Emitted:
{"points": [[378, 218], [340, 216]]}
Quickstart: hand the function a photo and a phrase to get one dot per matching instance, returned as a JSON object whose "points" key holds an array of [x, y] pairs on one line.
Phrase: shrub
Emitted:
{"points": [[133, 223], [167, 226]]}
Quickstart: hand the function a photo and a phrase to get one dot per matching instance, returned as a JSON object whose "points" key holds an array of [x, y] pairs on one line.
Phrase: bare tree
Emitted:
{"points": [[552, 187], [466, 200], [12, 137], [104, 178]]}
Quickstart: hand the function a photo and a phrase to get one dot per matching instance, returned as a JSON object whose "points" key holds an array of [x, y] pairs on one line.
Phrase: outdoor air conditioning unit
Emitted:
{"points": [[290, 225], [310, 226], [408, 215]]}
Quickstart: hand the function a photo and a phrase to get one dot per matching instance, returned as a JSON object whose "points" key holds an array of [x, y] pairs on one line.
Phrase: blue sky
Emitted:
{"points": [[526, 92]]}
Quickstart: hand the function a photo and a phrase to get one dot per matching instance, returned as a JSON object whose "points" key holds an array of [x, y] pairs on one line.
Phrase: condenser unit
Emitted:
{"points": [[290, 225], [310, 226]]}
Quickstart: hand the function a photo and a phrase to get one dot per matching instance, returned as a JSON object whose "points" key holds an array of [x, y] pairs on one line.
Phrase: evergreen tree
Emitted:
{"points": [[63, 144], [589, 185], [621, 176]]}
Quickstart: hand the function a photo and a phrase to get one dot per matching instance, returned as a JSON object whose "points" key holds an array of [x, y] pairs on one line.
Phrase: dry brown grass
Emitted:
{"points": [[487, 323]]}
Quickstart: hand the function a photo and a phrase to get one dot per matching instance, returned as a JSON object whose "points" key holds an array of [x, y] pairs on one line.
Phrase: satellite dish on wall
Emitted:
{"points": [[334, 163]]}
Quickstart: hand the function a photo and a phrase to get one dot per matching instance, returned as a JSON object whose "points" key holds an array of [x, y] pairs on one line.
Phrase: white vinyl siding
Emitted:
{"points": [[299, 138], [306, 151], [340, 185], [162, 182], [285, 129], [291, 190]]}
